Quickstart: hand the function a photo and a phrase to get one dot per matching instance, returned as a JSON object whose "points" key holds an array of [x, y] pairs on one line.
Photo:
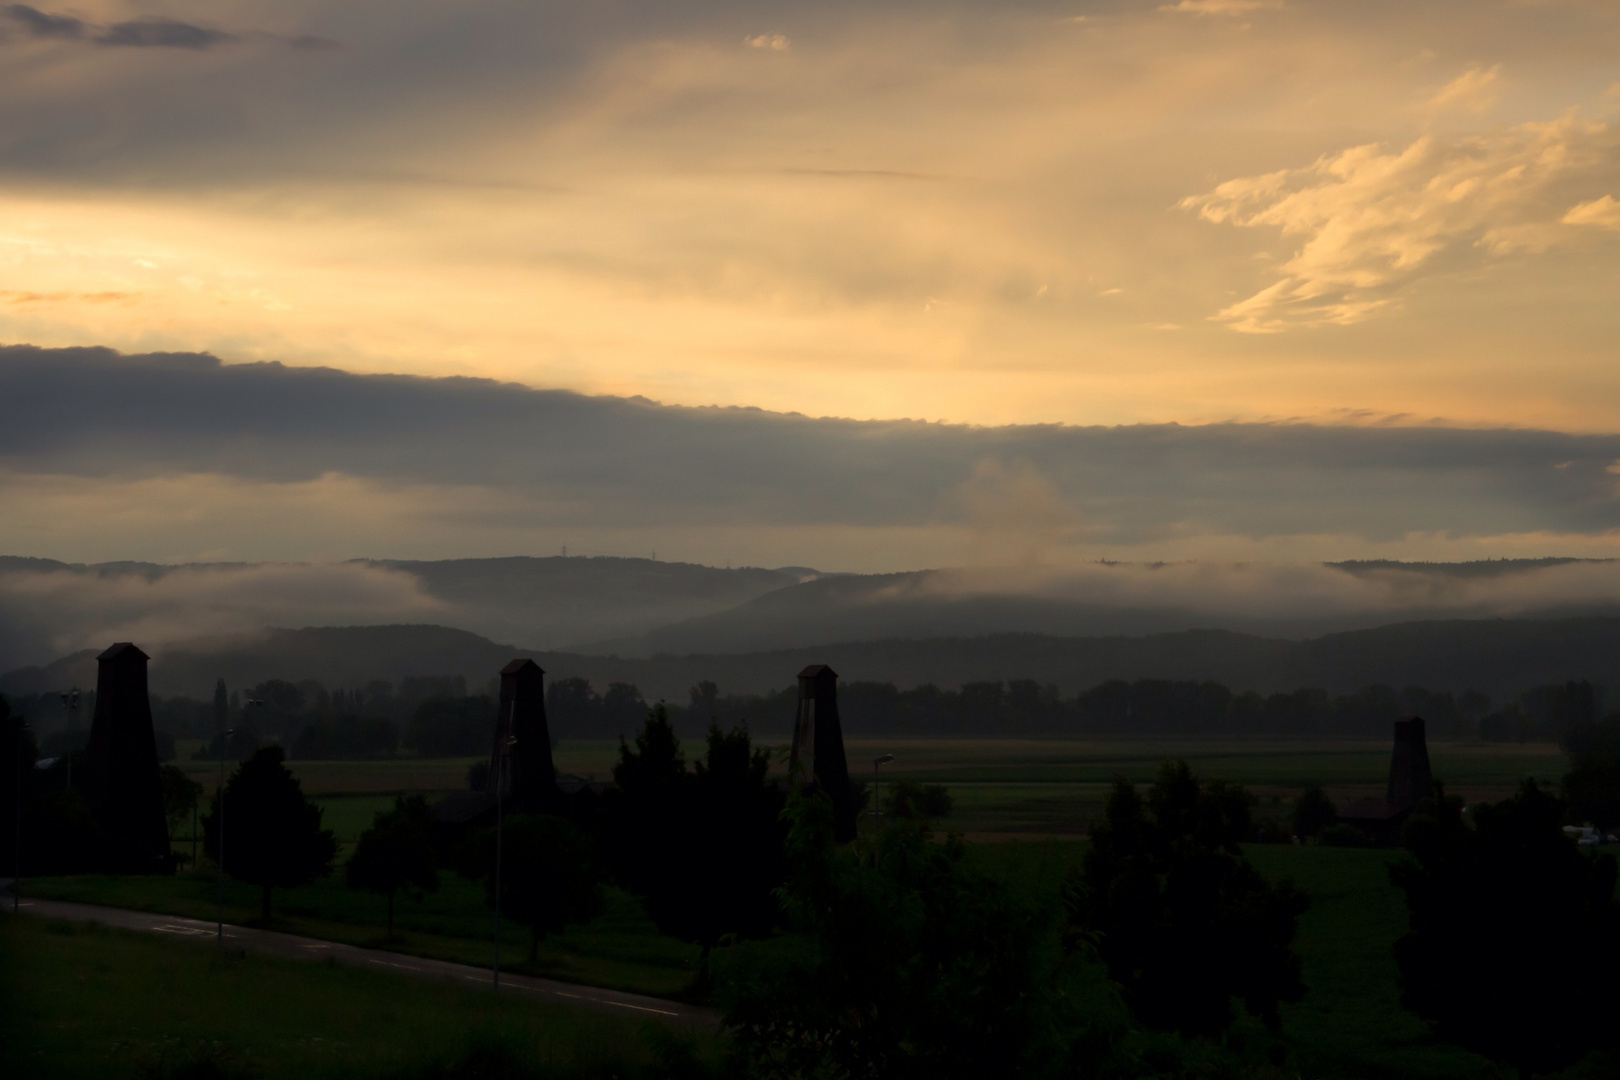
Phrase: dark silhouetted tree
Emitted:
{"points": [[180, 795], [1510, 926], [730, 848], [906, 962], [550, 877], [395, 853], [1592, 785], [273, 834], [452, 726], [1182, 921], [702, 847], [648, 808], [18, 753], [1313, 812], [623, 708]]}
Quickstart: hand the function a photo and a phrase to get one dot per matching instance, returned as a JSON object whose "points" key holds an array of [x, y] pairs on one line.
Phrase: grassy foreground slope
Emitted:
{"points": [[620, 949], [80, 1000]]}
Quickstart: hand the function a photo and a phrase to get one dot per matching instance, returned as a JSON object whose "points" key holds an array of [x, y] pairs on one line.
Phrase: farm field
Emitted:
{"points": [[1001, 787]]}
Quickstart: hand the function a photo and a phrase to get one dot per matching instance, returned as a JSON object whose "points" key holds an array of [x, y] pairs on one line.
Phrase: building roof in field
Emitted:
{"points": [[521, 664], [816, 671]]}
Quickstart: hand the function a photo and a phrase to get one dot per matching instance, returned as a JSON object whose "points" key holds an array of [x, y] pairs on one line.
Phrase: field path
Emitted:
{"points": [[269, 941]]}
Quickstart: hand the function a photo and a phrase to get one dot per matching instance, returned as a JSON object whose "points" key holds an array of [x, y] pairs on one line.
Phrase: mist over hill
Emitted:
{"points": [[642, 607], [1112, 599], [48, 608]]}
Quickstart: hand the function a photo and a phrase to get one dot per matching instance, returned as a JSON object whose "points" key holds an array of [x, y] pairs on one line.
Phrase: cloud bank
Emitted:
{"points": [[166, 441]]}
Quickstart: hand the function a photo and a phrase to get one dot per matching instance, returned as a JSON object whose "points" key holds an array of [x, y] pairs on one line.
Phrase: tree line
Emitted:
{"points": [[436, 716]]}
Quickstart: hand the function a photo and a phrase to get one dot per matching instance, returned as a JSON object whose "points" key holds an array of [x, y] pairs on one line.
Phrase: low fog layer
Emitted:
{"points": [[49, 609]]}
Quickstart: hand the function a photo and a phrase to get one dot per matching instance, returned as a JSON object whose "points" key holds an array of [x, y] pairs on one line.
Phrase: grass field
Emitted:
{"points": [[1001, 787], [83, 1001], [1350, 1026], [1010, 787], [620, 949]]}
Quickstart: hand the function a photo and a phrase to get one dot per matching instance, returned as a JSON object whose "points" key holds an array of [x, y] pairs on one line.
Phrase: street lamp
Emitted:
{"points": [[500, 774], [877, 812], [70, 702]]}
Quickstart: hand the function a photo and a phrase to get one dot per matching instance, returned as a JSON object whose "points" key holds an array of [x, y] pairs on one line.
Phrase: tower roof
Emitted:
{"points": [[121, 649], [521, 664], [816, 671]]}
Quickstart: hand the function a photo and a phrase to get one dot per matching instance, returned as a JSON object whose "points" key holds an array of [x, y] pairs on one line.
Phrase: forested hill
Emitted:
{"points": [[1500, 657]]}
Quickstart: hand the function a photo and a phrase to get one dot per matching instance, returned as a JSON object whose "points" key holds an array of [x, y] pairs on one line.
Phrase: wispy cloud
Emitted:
{"points": [[1475, 90], [1374, 220], [1603, 213], [147, 32]]}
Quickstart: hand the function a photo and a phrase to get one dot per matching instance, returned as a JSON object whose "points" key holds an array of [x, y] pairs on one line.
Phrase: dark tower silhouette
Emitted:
{"points": [[1410, 778], [531, 780], [818, 746], [121, 785]]}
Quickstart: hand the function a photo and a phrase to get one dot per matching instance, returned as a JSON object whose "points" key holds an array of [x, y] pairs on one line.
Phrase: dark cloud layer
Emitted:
{"points": [[626, 461], [146, 32]]}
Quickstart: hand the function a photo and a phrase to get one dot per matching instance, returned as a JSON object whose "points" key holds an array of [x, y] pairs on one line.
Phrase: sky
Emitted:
{"points": [[856, 286]]}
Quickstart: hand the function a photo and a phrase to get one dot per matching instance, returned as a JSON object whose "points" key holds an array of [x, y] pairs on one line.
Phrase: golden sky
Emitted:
{"points": [[992, 213], [981, 213]]}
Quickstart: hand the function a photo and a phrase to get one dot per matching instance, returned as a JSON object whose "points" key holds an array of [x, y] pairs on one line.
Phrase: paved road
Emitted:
{"points": [[269, 941]]}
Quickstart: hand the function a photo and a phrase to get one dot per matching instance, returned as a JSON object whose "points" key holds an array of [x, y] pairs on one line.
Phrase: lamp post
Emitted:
{"points": [[70, 702], [877, 804], [500, 775]]}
